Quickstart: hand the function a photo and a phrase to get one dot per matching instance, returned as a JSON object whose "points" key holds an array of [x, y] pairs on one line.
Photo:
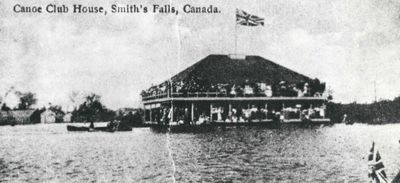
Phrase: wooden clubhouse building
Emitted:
{"points": [[232, 89]]}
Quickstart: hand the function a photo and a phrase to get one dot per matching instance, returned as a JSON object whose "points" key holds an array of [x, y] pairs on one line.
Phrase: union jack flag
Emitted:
{"points": [[243, 18], [376, 172]]}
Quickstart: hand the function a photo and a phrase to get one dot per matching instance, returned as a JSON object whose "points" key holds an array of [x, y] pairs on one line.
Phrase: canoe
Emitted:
{"points": [[104, 129], [77, 128]]}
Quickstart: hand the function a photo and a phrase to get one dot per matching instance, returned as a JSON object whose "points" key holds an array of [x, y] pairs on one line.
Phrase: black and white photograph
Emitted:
{"points": [[200, 91]]}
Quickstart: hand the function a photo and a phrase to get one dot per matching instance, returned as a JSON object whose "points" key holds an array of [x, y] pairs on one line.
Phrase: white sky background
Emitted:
{"points": [[346, 43]]}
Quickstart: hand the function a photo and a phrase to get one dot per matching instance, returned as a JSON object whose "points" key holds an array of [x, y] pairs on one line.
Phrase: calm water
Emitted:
{"points": [[48, 153]]}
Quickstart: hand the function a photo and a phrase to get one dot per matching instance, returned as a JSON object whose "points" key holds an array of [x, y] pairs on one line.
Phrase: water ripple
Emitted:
{"points": [[48, 153]]}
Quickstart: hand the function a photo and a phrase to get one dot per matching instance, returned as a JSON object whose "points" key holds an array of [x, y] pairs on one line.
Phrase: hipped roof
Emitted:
{"points": [[225, 69]]}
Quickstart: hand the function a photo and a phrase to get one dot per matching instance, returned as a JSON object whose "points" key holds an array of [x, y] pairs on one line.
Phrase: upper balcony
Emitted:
{"points": [[218, 96]]}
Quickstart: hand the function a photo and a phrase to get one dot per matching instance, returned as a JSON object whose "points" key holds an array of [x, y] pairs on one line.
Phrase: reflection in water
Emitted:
{"points": [[240, 154]]}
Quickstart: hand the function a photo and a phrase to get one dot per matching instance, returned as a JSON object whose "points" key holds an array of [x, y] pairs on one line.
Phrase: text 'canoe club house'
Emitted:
{"points": [[235, 89]]}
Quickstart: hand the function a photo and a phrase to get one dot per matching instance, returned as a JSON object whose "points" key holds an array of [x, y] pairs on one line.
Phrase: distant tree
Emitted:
{"points": [[132, 119], [385, 111], [92, 110], [137, 118], [4, 107], [26, 100], [58, 111]]}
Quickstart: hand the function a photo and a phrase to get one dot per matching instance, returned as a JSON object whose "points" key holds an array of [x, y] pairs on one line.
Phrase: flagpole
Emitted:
{"points": [[246, 19], [235, 38], [236, 32]]}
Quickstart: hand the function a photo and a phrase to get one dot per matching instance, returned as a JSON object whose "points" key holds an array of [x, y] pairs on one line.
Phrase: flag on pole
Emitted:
{"points": [[246, 19], [375, 165]]}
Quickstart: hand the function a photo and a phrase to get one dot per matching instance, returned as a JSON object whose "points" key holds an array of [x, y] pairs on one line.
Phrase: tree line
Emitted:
{"points": [[90, 110], [26, 100], [385, 111]]}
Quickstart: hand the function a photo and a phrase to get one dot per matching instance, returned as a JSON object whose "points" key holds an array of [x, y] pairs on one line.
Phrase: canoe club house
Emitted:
{"points": [[235, 89]]}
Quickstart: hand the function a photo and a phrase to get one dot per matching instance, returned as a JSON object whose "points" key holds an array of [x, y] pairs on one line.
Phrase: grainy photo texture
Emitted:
{"points": [[200, 91]]}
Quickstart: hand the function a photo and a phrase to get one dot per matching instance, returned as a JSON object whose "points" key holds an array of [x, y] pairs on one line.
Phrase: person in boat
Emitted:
{"points": [[169, 118], [165, 116], [233, 91], [280, 116], [275, 117], [201, 118], [344, 120], [157, 117], [229, 116], [234, 115], [111, 124], [186, 116], [246, 115], [91, 126], [253, 113]]}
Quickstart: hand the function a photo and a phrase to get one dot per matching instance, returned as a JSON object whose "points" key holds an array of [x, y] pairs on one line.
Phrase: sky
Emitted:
{"points": [[350, 45]]}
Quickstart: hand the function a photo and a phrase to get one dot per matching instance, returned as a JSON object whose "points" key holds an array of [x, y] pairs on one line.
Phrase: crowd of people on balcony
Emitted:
{"points": [[256, 89]]}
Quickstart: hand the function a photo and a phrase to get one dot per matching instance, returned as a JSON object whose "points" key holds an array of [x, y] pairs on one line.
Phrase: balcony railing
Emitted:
{"points": [[203, 94], [155, 96]]}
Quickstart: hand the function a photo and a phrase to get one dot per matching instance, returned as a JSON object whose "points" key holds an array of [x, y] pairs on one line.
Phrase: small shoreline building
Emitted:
{"points": [[47, 116], [19, 117], [230, 88]]}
